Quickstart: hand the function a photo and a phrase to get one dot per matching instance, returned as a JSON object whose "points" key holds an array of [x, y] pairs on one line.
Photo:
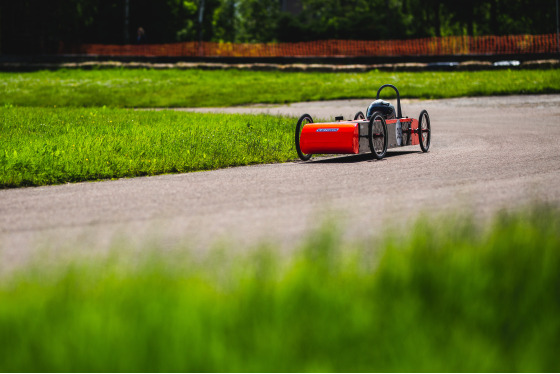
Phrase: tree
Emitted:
{"points": [[224, 21], [256, 20]]}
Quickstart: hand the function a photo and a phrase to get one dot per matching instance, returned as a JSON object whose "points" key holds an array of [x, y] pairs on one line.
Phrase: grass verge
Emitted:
{"points": [[449, 296], [220, 88], [57, 145]]}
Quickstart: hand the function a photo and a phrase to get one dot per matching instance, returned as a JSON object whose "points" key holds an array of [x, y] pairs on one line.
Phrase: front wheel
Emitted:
{"points": [[359, 115], [424, 131], [303, 120], [377, 135]]}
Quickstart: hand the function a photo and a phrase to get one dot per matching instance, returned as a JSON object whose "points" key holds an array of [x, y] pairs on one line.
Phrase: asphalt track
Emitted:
{"points": [[487, 154]]}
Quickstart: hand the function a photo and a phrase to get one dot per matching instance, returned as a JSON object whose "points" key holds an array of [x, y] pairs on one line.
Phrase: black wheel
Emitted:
{"points": [[424, 131], [378, 135], [359, 115], [302, 121]]}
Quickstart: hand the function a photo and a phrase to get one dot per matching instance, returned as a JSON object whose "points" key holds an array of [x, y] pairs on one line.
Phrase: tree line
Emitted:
{"points": [[39, 26]]}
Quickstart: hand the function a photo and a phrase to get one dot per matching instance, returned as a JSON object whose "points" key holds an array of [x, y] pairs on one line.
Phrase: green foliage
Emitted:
{"points": [[188, 32], [220, 88], [446, 296], [257, 20], [224, 21], [355, 19], [59, 145], [394, 19]]}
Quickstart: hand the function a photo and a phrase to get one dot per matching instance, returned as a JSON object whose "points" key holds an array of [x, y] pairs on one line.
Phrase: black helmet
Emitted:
{"points": [[382, 106]]}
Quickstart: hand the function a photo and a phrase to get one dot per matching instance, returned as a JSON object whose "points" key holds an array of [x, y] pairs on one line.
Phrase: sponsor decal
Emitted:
{"points": [[328, 130]]}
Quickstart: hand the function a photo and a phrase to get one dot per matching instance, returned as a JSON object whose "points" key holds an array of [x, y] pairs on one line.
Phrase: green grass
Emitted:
{"points": [[57, 145], [199, 88], [449, 295]]}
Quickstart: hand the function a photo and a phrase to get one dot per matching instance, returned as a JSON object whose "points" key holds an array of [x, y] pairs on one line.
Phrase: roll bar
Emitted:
{"points": [[399, 113]]}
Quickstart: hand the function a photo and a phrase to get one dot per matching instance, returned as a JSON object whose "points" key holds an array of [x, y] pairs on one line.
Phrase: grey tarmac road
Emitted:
{"points": [[486, 154]]}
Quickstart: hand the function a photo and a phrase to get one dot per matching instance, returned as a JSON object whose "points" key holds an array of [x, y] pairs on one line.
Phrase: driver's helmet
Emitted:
{"points": [[382, 106]]}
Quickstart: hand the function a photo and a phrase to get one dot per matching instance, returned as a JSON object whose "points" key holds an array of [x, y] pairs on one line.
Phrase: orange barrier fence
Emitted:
{"points": [[450, 45]]}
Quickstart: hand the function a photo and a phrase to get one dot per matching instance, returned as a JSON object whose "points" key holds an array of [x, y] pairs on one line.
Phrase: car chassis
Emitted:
{"points": [[362, 135]]}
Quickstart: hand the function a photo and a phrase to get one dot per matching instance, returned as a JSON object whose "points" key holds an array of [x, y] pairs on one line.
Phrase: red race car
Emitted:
{"points": [[381, 128]]}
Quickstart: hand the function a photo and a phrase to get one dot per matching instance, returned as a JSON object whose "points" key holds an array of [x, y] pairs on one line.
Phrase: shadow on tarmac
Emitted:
{"points": [[349, 159]]}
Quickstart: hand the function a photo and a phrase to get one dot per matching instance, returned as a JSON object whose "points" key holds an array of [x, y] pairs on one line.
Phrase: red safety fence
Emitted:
{"points": [[437, 46]]}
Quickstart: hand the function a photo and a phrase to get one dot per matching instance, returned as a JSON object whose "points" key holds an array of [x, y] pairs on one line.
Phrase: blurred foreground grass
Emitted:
{"points": [[42, 146], [221, 88], [449, 295]]}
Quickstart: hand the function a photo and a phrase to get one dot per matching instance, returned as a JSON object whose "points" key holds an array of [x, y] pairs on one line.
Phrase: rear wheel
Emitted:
{"points": [[424, 131], [359, 115], [303, 120], [378, 135]]}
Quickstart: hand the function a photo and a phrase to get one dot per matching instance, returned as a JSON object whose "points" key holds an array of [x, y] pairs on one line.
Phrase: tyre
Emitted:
{"points": [[377, 135], [303, 120], [359, 115], [424, 131]]}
